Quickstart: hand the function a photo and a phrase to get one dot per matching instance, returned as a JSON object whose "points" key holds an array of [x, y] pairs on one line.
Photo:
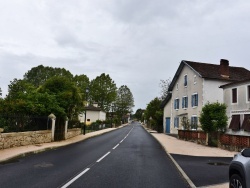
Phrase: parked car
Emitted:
{"points": [[239, 170]]}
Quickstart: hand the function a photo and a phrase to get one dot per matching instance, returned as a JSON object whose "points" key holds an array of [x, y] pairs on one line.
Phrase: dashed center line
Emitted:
{"points": [[103, 157], [87, 169]]}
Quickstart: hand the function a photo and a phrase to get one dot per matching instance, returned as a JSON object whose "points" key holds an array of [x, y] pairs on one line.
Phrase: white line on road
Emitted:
{"points": [[75, 178], [116, 146], [102, 157]]}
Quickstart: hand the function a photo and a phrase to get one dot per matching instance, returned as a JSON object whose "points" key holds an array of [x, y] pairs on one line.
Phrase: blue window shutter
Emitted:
{"points": [[197, 100], [182, 102], [192, 101], [187, 102]]}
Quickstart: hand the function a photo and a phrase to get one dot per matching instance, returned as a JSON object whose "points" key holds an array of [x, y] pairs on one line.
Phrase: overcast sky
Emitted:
{"points": [[137, 42]]}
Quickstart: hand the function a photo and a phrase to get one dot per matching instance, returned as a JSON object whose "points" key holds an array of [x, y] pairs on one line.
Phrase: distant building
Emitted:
{"points": [[93, 114]]}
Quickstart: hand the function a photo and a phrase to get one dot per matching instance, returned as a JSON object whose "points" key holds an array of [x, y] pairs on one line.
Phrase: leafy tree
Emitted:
{"points": [[139, 114], [17, 89], [213, 118], [67, 95], [40, 74], [154, 114], [0, 92], [82, 82], [103, 91], [164, 85], [124, 101]]}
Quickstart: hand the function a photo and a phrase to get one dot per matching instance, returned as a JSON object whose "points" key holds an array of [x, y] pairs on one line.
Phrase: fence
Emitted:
{"points": [[225, 141]]}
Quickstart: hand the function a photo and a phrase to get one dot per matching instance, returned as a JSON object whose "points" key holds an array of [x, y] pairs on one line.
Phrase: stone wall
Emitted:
{"points": [[9, 140], [72, 133]]}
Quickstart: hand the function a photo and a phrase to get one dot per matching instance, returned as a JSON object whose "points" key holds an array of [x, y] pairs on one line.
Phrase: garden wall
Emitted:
{"points": [[72, 133], [9, 140]]}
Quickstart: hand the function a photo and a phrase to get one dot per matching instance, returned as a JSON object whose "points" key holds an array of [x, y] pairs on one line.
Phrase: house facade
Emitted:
{"points": [[237, 98], [193, 85], [93, 113]]}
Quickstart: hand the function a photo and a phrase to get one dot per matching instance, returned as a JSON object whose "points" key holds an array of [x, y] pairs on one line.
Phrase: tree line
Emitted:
{"points": [[45, 90]]}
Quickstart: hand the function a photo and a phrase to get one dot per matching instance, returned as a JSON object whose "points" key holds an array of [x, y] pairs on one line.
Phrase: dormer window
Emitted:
{"points": [[185, 80]]}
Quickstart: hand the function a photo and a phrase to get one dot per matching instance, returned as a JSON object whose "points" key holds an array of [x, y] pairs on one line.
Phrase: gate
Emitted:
{"points": [[59, 129]]}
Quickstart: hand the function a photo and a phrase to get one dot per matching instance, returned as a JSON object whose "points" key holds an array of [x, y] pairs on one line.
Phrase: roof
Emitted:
{"points": [[235, 83], [208, 71], [211, 71], [93, 108]]}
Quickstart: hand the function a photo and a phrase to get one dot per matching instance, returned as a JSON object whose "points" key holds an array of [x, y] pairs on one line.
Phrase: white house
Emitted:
{"points": [[237, 99], [93, 113], [194, 84]]}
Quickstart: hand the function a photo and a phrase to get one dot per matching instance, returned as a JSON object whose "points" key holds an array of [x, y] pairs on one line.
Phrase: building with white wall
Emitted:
{"points": [[193, 85]]}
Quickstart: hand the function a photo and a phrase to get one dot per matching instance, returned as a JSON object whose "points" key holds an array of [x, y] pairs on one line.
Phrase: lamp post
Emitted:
{"points": [[85, 114], [112, 109]]}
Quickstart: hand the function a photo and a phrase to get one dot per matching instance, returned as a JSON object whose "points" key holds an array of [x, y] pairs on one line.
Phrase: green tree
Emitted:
{"points": [[103, 91], [139, 114], [154, 114], [67, 95], [0, 92], [40, 74], [124, 101], [82, 82], [213, 119]]}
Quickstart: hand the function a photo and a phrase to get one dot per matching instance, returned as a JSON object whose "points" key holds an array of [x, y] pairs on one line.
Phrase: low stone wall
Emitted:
{"points": [[72, 133], [9, 140]]}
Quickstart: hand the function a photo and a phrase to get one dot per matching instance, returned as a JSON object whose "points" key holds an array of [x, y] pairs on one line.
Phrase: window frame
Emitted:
{"points": [[234, 98], [194, 122], [195, 100], [185, 102], [185, 80], [176, 122], [176, 103]]}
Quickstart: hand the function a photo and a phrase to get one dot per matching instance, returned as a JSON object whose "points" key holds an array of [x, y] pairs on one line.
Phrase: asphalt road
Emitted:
{"points": [[126, 157], [204, 171]]}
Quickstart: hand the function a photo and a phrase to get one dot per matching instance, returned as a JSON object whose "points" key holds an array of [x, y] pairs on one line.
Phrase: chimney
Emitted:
{"points": [[224, 68]]}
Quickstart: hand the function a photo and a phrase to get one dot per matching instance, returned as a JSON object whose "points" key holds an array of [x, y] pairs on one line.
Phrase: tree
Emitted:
{"points": [[103, 91], [67, 95], [213, 118], [154, 114], [124, 101], [164, 85], [0, 92], [40, 74], [139, 114], [82, 82]]}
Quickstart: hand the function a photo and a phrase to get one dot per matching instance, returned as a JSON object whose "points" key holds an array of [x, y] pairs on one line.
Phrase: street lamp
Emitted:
{"points": [[86, 97], [112, 109]]}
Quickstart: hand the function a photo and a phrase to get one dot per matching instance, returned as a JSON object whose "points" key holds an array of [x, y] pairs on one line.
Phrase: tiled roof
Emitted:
{"points": [[212, 71], [93, 108]]}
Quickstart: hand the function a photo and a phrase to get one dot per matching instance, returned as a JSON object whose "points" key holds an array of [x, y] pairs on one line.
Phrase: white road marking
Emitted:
{"points": [[103, 157], [75, 178], [116, 146]]}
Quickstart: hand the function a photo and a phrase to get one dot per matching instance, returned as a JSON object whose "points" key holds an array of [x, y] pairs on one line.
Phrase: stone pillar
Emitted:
{"points": [[66, 128], [53, 118]]}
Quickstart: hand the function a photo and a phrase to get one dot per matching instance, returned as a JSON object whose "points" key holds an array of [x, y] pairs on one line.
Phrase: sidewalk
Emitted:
{"points": [[171, 144]]}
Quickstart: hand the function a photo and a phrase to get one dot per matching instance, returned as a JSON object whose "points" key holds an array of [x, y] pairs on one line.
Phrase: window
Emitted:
{"points": [[185, 80], [194, 122], [177, 86], [235, 123], [176, 122], [248, 93], [194, 79], [184, 102], [234, 95], [195, 100], [176, 104]]}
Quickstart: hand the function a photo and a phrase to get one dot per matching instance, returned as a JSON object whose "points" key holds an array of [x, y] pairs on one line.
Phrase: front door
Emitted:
{"points": [[168, 125]]}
